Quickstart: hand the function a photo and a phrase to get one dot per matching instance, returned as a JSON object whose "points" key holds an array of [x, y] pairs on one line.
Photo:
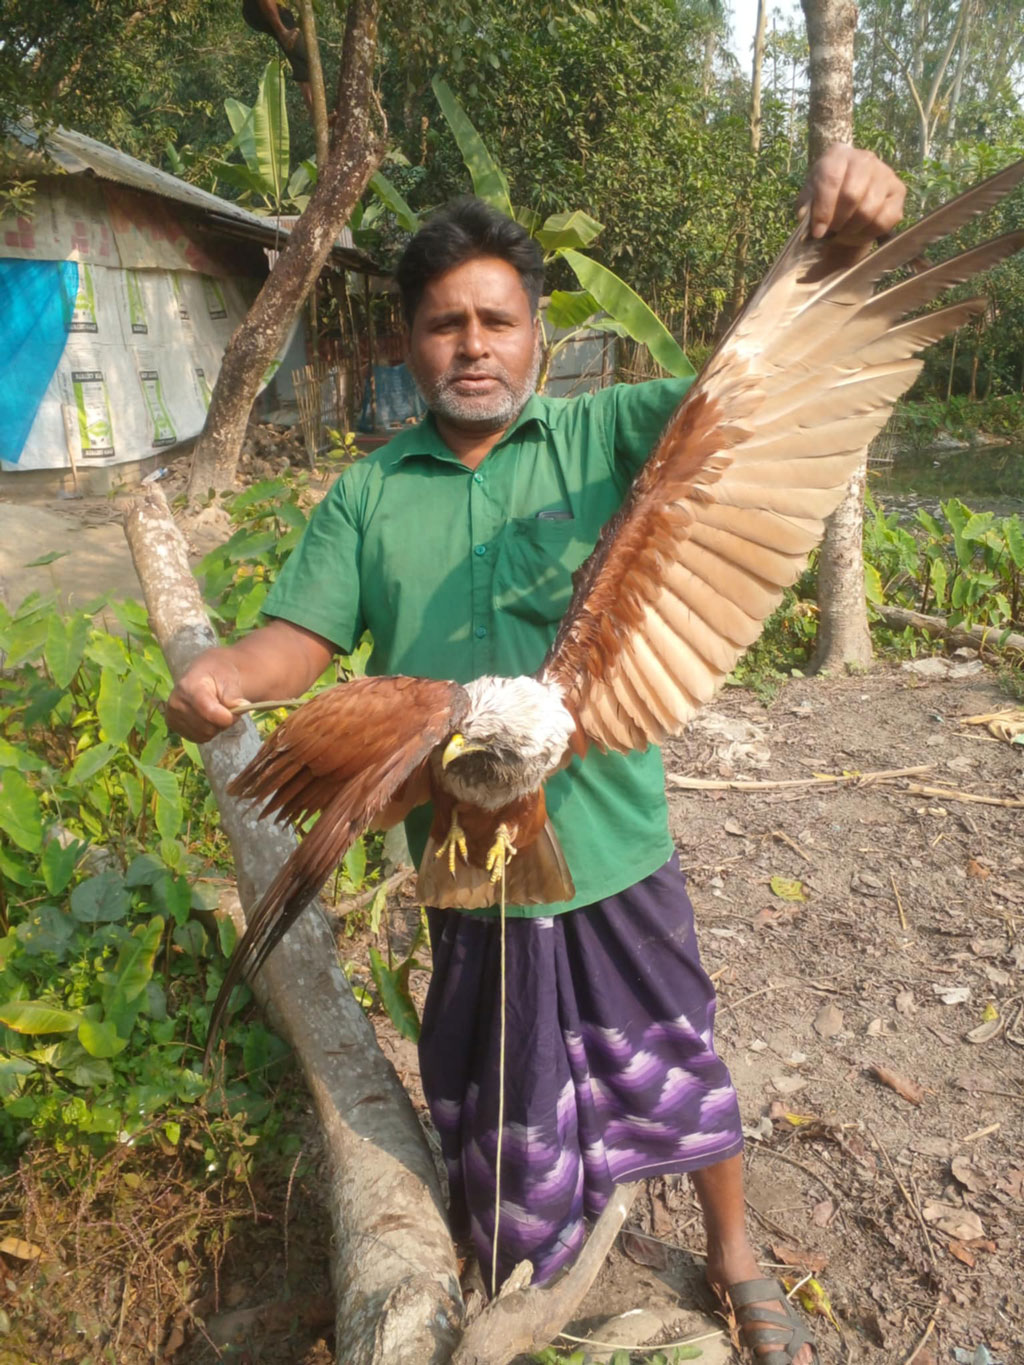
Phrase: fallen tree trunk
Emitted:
{"points": [[396, 1285], [983, 638]]}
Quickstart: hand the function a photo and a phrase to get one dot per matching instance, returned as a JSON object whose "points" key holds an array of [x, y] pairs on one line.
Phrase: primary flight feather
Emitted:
{"points": [[719, 521]]}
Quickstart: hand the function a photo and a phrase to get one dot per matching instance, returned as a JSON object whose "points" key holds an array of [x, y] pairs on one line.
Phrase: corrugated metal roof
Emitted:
{"points": [[78, 154]]}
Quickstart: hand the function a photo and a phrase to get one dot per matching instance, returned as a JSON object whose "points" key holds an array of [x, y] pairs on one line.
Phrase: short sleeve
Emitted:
{"points": [[318, 588], [636, 415]]}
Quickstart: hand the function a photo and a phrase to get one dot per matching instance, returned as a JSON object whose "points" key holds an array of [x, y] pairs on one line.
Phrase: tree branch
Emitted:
{"points": [[393, 1264]]}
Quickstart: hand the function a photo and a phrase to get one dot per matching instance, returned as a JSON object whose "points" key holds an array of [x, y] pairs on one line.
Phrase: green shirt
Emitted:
{"points": [[457, 573]]}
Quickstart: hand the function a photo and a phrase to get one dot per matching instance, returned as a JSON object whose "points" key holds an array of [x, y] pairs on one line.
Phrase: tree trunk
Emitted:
{"points": [[843, 635], [321, 127], [739, 270], [354, 155], [393, 1265]]}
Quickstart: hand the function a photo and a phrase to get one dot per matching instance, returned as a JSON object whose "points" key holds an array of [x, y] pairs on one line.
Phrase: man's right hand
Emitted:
{"points": [[277, 660], [199, 706]]}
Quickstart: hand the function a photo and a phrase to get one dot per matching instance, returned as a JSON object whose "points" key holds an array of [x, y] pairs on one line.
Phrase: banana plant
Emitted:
{"points": [[260, 133], [603, 302]]}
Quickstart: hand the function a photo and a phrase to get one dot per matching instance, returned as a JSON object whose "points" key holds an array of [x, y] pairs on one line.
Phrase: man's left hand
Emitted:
{"points": [[852, 195]]}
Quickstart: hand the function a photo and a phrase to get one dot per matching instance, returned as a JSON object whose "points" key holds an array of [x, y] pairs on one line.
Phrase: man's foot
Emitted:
{"points": [[766, 1323]]}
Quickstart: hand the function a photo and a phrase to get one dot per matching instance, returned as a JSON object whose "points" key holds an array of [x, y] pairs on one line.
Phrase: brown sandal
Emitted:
{"points": [[785, 1333]]}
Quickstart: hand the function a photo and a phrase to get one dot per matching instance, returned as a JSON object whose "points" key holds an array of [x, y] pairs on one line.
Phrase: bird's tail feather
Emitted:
{"points": [[537, 875]]}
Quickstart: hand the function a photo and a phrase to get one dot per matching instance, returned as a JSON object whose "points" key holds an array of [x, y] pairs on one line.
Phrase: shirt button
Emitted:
{"points": [[479, 549], [478, 478], [480, 632]]}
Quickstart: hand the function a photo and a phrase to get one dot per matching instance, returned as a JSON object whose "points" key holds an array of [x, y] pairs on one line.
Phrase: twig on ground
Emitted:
{"points": [[899, 903], [911, 1202], [781, 834], [927, 1331], [820, 779], [951, 794], [982, 1132]]}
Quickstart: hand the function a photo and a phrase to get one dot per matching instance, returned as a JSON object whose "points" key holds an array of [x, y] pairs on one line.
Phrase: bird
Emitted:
{"points": [[719, 521]]}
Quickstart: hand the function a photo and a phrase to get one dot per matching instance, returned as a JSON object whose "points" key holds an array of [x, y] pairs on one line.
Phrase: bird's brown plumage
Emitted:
{"points": [[718, 523]]}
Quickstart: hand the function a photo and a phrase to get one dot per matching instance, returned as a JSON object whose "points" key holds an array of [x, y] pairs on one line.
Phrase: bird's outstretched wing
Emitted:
{"points": [[723, 515], [344, 756]]}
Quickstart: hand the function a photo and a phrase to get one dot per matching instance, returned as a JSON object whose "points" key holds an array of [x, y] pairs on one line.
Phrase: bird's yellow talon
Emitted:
{"points": [[500, 853], [454, 845]]}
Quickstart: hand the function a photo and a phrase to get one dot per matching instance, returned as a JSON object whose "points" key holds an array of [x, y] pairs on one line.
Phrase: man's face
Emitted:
{"points": [[473, 345]]}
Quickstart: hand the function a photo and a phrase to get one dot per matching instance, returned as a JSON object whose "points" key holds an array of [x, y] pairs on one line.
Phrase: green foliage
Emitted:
{"points": [[563, 236], [264, 177], [967, 567], [110, 957]]}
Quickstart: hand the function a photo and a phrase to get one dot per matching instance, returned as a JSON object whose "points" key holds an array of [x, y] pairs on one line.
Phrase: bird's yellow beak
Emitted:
{"points": [[456, 747]]}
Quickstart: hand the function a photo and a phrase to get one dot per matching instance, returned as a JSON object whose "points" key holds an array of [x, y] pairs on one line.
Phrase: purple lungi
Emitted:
{"points": [[610, 1069]]}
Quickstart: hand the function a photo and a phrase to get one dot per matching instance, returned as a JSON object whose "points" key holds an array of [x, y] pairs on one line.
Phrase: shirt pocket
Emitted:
{"points": [[536, 560]]}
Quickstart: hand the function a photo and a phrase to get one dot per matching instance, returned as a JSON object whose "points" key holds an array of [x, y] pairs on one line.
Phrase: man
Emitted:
{"points": [[455, 546], [267, 16]]}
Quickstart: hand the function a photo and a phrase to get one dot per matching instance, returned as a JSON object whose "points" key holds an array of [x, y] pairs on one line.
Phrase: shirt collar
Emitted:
{"points": [[425, 439]]}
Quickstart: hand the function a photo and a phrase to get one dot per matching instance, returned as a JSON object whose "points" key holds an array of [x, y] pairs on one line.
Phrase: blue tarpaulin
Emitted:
{"points": [[37, 299], [398, 398]]}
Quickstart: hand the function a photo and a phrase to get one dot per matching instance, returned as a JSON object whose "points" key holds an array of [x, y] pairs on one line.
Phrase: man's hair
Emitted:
{"points": [[462, 231]]}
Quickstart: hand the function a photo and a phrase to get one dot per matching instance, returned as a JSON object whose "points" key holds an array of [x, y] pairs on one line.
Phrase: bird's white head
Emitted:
{"points": [[514, 734]]}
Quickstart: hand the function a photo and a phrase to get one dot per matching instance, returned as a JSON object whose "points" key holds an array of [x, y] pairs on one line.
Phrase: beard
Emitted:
{"points": [[479, 412]]}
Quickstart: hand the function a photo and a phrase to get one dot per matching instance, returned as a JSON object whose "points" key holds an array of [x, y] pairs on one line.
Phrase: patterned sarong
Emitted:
{"points": [[610, 1070]]}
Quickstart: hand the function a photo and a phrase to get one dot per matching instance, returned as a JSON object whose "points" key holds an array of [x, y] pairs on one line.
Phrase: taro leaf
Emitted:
{"points": [[90, 761], [11, 756], [100, 1038], [251, 605], [168, 798], [561, 230], [48, 558], [109, 652], [354, 863], [36, 1016], [173, 894], [15, 869], [13, 1071], [65, 646], [627, 307], [46, 931], [25, 639], [58, 863], [873, 588], [144, 870], [227, 934], [393, 989], [100, 900], [788, 889], [118, 705], [20, 814]]}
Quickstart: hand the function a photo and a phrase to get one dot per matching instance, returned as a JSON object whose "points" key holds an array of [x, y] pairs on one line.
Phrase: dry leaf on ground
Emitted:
{"points": [[962, 1224], [786, 1253], [828, 1021], [904, 1087]]}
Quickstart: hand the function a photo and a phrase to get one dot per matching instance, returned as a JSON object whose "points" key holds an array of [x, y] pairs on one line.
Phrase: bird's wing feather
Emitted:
{"points": [[734, 496], [343, 756]]}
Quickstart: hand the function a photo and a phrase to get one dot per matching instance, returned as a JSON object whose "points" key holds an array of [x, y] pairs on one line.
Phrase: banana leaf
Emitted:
{"points": [[629, 309], [270, 131], [386, 192], [561, 230], [489, 183]]}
